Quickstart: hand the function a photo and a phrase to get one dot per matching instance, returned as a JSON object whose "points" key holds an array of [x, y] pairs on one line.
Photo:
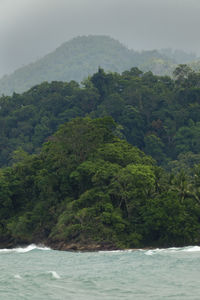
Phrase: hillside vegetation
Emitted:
{"points": [[81, 56], [114, 163], [88, 189], [159, 115]]}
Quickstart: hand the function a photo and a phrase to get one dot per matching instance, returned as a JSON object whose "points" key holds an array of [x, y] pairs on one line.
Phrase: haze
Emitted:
{"points": [[30, 29]]}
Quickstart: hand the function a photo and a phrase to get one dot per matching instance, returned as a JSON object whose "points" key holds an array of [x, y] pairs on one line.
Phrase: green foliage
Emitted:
{"points": [[85, 185], [77, 187], [169, 221], [154, 147], [157, 114], [81, 57]]}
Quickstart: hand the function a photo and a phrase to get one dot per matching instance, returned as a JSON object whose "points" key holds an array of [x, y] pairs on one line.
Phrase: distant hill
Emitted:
{"points": [[81, 56]]}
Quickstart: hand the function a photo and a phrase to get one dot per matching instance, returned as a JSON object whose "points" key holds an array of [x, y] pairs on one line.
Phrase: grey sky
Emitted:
{"points": [[31, 28]]}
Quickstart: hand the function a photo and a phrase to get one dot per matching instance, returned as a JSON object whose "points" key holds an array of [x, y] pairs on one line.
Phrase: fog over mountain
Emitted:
{"points": [[30, 29]]}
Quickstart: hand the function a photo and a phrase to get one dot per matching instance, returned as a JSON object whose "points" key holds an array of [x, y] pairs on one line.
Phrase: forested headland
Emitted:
{"points": [[113, 162]]}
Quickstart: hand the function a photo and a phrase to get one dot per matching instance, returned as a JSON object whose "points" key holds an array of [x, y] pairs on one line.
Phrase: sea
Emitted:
{"points": [[36, 272]]}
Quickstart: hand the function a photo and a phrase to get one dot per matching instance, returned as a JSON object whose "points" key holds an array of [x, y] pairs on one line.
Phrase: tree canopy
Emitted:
{"points": [[114, 161]]}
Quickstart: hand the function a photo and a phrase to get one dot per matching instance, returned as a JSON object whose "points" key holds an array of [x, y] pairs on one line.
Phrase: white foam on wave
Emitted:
{"points": [[54, 274], [156, 250], [17, 276], [191, 249], [172, 250], [24, 249], [112, 251]]}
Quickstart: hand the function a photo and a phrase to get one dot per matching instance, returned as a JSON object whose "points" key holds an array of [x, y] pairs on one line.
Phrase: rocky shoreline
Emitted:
{"points": [[72, 247], [82, 247], [7, 243]]}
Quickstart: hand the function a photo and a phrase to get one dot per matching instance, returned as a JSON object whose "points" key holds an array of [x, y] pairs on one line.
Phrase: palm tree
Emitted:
{"points": [[182, 185]]}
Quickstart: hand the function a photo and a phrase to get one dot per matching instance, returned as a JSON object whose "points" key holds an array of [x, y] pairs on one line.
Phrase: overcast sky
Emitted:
{"points": [[31, 28]]}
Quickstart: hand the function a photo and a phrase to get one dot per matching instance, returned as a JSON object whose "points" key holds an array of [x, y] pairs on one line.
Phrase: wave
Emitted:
{"points": [[172, 250], [192, 249], [155, 251], [17, 276], [24, 249], [146, 252], [54, 274], [114, 251]]}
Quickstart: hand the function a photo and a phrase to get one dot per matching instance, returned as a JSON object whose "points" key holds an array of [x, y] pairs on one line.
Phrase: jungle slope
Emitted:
{"points": [[81, 57], [89, 190]]}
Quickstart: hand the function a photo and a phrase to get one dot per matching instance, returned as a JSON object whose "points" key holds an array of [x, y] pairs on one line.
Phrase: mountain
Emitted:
{"points": [[80, 57]]}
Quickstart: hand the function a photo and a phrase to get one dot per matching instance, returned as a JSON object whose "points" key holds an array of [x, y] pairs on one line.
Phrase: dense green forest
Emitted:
{"points": [[119, 166], [81, 56], [159, 115], [87, 189]]}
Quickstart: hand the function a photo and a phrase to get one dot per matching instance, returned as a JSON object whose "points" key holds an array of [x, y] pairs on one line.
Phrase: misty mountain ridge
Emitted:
{"points": [[81, 56]]}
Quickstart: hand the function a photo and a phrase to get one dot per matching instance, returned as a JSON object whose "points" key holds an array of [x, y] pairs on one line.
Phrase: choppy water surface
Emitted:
{"points": [[40, 273]]}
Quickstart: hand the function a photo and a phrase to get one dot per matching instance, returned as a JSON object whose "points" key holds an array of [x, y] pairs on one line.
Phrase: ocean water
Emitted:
{"points": [[40, 273]]}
